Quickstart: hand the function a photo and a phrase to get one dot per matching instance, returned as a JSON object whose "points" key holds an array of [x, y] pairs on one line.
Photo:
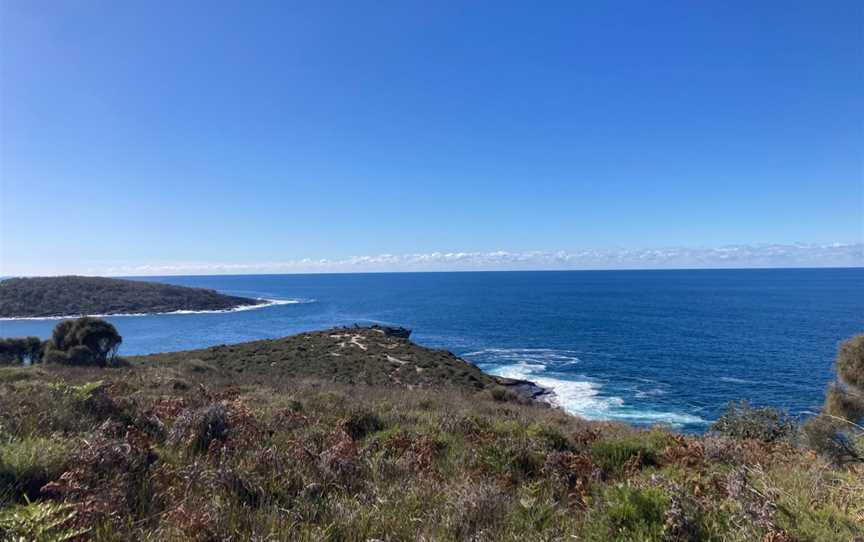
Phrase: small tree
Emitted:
{"points": [[8, 351], [85, 341], [32, 349], [20, 350]]}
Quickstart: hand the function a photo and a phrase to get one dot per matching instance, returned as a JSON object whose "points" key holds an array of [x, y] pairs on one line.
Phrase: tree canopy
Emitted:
{"points": [[84, 341], [20, 350]]}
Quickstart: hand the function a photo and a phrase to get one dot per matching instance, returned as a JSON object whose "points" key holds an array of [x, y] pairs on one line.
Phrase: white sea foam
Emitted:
{"points": [[541, 356], [653, 392], [267, 303], [733, 380], [582, 397]]}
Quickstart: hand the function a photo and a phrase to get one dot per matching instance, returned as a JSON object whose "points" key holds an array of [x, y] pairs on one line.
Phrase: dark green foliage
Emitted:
{"points": [[747, 422], [85, 341], [612, 455], [25, 350], [70, 296]]}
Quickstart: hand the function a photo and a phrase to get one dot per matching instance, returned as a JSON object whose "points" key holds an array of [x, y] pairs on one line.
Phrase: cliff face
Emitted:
{"points": [[74, 296]]}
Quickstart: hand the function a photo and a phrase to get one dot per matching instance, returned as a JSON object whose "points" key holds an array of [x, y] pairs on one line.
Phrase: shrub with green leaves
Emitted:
{"points": [[627, 513], [20, 350], [740, 420], [84, 341], [613, 454], [28, 464], [39, 521]]}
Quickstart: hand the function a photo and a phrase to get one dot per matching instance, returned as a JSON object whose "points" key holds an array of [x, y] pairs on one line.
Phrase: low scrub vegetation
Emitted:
{"points": [[127, 454]]}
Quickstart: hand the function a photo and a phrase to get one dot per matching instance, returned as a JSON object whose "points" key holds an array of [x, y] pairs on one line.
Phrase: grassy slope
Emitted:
{"points": [[349, 356], [64, 296], [280, 440]]}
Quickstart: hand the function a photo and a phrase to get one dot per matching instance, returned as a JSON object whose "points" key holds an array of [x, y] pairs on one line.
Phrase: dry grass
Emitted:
{"points": [[187, 447]]}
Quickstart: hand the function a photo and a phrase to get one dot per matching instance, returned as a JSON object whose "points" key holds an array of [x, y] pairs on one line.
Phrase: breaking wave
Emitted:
{"points": [[241, 308], [576, 394]]}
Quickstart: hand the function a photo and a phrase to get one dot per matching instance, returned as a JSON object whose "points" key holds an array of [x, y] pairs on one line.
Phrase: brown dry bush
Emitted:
{"points": [[109, 476], [688, 453], [574, 472]]}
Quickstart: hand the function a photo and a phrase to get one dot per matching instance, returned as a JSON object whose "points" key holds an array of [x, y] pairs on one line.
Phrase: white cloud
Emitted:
{"points": [[767, 255]]}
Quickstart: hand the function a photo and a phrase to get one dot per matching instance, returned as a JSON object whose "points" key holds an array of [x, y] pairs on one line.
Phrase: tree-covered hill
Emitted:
{"points": [[75, 295]]}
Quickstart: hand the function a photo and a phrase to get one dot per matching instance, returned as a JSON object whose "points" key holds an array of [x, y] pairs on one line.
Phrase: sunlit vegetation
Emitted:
{"points": [[245, 443]]}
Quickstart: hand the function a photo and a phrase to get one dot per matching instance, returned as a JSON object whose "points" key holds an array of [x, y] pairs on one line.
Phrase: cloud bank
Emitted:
{"points": [[735, 256]]}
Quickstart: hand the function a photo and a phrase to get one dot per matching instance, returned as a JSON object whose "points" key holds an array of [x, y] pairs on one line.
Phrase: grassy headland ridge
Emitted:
{"points": [[41, 297], [357, 355], [353, 435]]}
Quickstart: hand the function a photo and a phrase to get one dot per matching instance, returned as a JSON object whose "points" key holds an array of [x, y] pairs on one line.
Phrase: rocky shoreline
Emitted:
{"points": [[523, 388], [527, 389]]}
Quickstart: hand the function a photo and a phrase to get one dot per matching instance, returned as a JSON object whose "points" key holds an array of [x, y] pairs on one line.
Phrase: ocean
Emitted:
{"points": [[644, 347]]}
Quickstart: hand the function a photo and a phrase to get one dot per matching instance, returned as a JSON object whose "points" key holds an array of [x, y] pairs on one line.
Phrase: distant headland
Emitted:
{"points": [[54, 297]]}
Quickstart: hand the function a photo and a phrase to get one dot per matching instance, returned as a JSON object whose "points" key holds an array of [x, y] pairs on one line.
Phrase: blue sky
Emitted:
{"points": [[200, 136]]}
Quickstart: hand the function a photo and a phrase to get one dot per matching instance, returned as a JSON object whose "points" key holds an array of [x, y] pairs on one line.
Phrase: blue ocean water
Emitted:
{"points": [[639, 346]]}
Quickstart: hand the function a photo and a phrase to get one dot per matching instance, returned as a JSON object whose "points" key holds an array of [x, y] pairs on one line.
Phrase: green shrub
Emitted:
{"points": [[626, 513], [84, 341], [39, 521], [612, 455], [20, 350], [28, 464], [740, 420], [551, 436]]}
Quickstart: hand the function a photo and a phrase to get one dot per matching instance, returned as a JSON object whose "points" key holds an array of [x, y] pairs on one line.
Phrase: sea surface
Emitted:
{"points": [[644, 347]]}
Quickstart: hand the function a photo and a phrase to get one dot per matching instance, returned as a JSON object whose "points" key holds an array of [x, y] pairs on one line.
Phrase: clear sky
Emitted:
{"points": [[254, 136]]}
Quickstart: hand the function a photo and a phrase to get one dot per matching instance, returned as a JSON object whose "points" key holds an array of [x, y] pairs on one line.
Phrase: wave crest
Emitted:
{"points": [[576, 394], [241, 308]]}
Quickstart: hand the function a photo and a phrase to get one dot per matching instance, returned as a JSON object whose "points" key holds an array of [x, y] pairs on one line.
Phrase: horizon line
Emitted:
{"points": [[428, 272], [740, 256]]}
